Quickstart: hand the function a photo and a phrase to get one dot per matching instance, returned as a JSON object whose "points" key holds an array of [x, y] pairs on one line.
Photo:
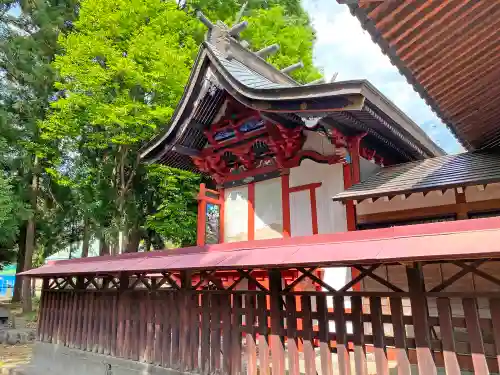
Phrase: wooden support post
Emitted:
{"points": [[222, 215], [184, 337], [277, 326], [202, 216], [42, 312], [420, 312], [120, 334], [251, 211], [285, 203]]}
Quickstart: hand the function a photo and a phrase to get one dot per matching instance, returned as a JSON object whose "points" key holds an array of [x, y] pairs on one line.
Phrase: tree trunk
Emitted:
{"points": [[30, 244], [21, 244], [28, 261], [134, 240], [103, 247], [86, 239]]}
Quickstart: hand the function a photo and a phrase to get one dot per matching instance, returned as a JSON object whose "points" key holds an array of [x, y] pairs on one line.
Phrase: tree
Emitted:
{"points": [[121, 74], [28, 43]]}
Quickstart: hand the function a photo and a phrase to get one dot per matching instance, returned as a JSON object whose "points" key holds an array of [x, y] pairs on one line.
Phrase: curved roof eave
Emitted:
{"points": [[377, 37]]}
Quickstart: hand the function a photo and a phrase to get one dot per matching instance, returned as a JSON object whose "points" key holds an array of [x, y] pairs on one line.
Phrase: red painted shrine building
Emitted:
{"points": [[333, 237]]}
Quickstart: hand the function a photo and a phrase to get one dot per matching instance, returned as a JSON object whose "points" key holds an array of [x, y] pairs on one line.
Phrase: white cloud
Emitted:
{"points": [[343, 46]]}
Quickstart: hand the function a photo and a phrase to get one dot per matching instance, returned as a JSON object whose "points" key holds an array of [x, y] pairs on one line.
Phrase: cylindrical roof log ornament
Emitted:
{"points": [[318, 81], [268, 51], [238, 28], [204, 20], [293, 67]]}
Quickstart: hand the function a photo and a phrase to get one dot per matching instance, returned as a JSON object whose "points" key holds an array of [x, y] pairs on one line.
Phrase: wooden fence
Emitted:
{"points": [[278, 330]]}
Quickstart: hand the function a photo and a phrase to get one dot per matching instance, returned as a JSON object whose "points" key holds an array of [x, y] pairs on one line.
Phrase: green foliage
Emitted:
{"points": [[122, 71], [291, 32], [175, 216]]}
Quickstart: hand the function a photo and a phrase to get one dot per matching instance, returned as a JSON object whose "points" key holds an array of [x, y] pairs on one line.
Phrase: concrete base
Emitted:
{"points": [[60, 360]]}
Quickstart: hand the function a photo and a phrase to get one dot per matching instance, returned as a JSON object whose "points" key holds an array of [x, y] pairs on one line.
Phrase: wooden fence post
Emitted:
{"points": [[277, 326], [184, 337], [420, 313]]}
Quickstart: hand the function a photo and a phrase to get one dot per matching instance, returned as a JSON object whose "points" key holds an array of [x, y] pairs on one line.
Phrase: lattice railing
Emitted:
{"points": [[199, 323]]}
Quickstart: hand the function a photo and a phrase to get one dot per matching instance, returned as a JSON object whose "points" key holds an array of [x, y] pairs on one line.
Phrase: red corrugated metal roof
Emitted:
{"points": [[467, 239]]}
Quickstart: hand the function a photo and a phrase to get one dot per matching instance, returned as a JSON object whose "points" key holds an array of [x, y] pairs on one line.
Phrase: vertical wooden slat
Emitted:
{"points": [[447, 337], [42, 315], [495, 319], [90, 320], [102, 315], [168, 307], [324, 339], [307, 329], [97, 322], [127, 317], [420, 314], [114, 325], [142, 321], [55, 320], [277, 327], [378, 336], [185, 355], [403, 363], [74, 317], [108, 313], [263, 332], [475, 336], [341, 335], [85, 306], [226, 333], [158, 330], [237, 335], [66, 316], [215, 338], [150, 330], [78, 320], [137, 325], [175, 321], [195, 331], [50, 316], [205, 334], [291, 329], [360, 364], [251, 348], [120, 331]]}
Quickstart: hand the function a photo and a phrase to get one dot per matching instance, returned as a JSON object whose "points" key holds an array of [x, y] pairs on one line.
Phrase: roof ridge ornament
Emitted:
{"points": [[293, 67]]}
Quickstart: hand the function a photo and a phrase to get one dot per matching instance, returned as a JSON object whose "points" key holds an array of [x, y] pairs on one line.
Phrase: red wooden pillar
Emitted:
{"points": [[202, 216], [352, 175], [222, 214], [251, 211], [285, 199]]}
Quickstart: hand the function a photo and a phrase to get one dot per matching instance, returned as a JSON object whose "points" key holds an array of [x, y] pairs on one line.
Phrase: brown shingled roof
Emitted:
{"points": [[439, 173], [449, 50]]}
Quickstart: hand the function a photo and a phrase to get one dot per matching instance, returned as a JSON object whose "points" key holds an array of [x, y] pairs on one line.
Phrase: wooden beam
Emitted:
{"points": [[183, 150], [428, 212]]}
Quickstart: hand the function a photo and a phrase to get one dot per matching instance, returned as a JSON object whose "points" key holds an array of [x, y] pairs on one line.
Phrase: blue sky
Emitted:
{"points": [[343, 46]]}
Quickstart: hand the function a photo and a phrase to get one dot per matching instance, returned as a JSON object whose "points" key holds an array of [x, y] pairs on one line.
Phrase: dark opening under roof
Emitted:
{"points": [[439, 173]]}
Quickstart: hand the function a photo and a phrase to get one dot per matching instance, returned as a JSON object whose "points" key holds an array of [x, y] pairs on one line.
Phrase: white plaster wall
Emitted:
{"points": [[367, 168], [300, 214], [268, 209], [236, 214], [417, 200], [331, 215]]}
